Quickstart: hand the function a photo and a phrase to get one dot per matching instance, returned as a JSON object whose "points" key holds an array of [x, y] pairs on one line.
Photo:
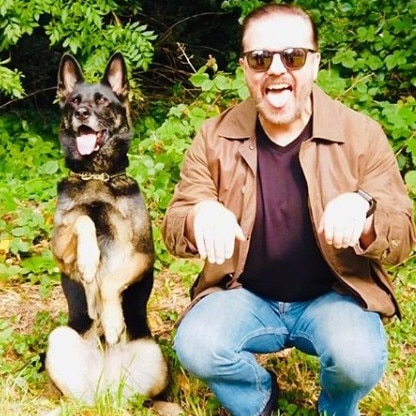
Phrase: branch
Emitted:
{"points": [[179, 22], [25, 97], [183, 53]]}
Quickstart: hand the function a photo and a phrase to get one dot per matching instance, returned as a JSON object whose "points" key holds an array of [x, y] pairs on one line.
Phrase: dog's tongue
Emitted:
{"points": [[87, 143]]}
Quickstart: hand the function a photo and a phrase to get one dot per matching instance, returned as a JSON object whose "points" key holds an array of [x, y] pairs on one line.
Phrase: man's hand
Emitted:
{"points": [[215, 231], [344, 220]]}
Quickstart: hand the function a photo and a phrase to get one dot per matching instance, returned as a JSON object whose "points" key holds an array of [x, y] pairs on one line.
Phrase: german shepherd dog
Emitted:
{"points": [[102, 242]]}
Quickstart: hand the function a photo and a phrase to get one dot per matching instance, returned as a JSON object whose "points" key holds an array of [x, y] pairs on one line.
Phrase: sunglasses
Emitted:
{"points": [[292, 58]]}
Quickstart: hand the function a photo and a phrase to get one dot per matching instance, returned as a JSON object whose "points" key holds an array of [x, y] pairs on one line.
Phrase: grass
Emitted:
{"points": [[28, 316]]}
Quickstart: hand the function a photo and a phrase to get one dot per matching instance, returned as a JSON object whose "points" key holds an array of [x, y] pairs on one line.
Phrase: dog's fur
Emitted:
{"points": [[102, 242], [83, 371]]}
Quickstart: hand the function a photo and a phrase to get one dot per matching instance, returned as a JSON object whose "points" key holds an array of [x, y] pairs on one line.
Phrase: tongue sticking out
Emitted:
{"points": [[279, 98], [87, 143]]}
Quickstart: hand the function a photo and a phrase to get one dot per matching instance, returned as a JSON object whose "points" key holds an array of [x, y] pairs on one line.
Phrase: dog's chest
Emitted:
{"points": [[85, 193], [99, 199]]}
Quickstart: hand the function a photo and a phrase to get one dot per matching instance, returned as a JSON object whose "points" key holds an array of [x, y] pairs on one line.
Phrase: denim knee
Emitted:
{"points": [[353, 370], [197, 352]]}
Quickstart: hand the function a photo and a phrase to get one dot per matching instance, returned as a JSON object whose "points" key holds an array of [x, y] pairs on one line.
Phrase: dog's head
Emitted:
{"points": [[95, 116]]}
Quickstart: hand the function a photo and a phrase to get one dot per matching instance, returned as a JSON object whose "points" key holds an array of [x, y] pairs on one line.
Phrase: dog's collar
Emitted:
{"points": [[104, 177]]}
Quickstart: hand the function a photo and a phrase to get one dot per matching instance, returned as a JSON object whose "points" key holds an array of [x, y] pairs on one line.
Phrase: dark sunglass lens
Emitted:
{"points": [[294, 58], [259, 60]]}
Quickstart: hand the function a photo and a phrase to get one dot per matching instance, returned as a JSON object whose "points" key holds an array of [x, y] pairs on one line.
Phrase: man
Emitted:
{"points": [[294, 201]]}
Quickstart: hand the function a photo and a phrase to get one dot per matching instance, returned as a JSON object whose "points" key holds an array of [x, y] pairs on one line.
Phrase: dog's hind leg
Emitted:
{"points": [[135, 299], [137, 367], [88, 260], [74, 364], [78, 317]]}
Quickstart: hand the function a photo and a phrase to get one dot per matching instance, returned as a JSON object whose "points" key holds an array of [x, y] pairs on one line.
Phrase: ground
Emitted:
{"points": [[21, 304]]}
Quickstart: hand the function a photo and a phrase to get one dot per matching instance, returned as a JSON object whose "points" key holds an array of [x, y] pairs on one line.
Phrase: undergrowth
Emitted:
{"points": [[31, 299]]}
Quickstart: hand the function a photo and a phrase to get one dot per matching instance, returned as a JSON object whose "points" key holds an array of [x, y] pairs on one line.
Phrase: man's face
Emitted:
{"points": [[282, 95]]}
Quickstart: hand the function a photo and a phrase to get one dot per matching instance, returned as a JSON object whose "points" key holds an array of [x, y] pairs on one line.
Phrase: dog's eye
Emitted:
{"points": [[75, 101], [101, 100]]}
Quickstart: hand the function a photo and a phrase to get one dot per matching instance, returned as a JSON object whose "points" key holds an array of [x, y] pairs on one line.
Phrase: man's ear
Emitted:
{"points": [[316, 63]]}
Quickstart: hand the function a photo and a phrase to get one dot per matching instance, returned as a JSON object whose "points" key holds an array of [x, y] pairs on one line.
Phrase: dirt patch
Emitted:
{"points": [[20, 303]]}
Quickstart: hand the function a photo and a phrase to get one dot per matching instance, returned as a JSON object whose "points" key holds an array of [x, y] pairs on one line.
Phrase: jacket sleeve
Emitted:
{"points": [[393, 217], [196, 184]]}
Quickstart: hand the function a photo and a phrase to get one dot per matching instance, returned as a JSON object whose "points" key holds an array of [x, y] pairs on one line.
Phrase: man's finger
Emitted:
{"points": [[200, 241]]}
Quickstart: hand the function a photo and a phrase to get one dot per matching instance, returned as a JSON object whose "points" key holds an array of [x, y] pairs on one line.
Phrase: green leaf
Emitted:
{"points": [[410, 179], [207, 85], [49, 168], [198, 79], [222, 82], [345, 57]]}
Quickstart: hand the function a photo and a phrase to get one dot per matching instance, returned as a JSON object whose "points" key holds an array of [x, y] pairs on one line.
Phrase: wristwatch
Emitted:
{"points": [[370, 200]]}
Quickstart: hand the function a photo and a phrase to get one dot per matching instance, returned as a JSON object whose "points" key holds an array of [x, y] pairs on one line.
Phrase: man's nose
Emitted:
{"points": [[277, 66]]}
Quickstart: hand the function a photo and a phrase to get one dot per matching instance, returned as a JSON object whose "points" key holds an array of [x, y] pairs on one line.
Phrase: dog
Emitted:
{"points": [[102, 242]]}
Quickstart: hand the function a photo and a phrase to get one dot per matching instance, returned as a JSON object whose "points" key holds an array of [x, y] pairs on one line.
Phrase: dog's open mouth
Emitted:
{"points": [[89, 140]]}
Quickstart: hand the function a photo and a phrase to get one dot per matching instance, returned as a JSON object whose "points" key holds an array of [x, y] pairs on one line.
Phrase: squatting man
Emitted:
{"points": [[294, 201]]}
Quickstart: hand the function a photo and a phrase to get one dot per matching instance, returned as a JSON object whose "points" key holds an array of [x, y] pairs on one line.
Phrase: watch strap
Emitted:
{"points": [[372, 202]]}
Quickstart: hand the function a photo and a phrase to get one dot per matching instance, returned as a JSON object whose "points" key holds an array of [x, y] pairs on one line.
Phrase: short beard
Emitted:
{"points": [[279, 119]]}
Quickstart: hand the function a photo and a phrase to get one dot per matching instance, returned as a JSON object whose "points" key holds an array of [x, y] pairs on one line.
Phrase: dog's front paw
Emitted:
{"points": [[92, 296], [113, 327], [88, 252], [92, 305], [88, 263], [113, 333]]}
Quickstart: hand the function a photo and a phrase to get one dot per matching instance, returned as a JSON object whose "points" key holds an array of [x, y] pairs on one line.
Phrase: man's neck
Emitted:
{"points": [[284, 134]]}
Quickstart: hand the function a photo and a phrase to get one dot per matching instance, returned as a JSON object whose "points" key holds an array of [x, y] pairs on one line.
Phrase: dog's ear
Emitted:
{"points": [[115, 76], [69, 75]]}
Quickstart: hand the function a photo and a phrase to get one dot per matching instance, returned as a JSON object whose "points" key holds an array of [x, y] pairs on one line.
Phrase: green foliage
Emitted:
{"points": [[17, 20], [27, 189], [157, 156], [10, 81], [90, 29], [367, 37], [25, 347], [245, 6]]}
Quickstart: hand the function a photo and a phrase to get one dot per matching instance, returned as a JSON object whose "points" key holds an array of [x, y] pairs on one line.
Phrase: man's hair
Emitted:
{"points": [[281, 9]]}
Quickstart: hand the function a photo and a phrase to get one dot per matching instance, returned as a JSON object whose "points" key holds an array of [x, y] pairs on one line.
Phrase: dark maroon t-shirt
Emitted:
{"points": [[284, 262]]}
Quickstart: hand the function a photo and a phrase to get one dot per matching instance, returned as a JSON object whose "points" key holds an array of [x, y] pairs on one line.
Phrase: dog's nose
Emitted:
{"points": [[82, 113]]}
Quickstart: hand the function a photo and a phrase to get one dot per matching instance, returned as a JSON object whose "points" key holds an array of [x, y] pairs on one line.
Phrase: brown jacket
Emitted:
{"points": [[347, 151]]}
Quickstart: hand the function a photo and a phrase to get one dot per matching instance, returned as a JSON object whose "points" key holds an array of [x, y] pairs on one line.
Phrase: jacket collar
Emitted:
{"points": [[325, 115], [241, 119]]}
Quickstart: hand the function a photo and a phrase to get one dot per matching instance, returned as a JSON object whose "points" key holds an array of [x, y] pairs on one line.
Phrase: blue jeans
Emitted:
{"points": [[217, 340]]}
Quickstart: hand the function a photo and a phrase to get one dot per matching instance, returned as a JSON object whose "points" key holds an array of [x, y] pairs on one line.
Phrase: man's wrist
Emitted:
{"points": [[372, 204]]}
